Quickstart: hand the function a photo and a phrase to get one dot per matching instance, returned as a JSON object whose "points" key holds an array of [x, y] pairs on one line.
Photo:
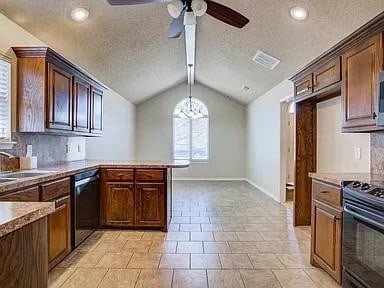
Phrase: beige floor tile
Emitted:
{"points": [[211, 227], [322, 279], [110, 246], [181, 220], [257, 220], [202, 220], [130, 235], [244, 247], [190, 227], [189, 279], [58, 276], [114, 260], [120, 278], [190, 213], [189, 247], [81, 259], [295, 260], [178, 236], [235, 261], [163, 247], [89, 245], [216, 247], [265, 261], [205, 261], [259, 279], [175, 261], [224, 279], [105, 235], [154, 235], [293, 278], [155, 279], [144, 260], [137, 246], [228, 227], [85, 278], [249, 236], [202, 236], [225, 236]]}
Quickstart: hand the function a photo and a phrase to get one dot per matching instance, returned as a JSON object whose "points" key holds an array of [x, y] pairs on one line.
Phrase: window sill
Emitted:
{"points": [[7, 145]]}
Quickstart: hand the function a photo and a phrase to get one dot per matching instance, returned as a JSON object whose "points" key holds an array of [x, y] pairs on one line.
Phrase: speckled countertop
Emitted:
{"points": [[14, 215], [340, 178], [71, 168]]}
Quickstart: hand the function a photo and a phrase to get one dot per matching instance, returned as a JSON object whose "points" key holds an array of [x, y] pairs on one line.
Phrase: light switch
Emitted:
{"points": [[358, 153], [29, 151]]}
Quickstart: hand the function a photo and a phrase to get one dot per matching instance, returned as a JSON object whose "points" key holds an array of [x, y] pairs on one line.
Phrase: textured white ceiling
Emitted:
{"points": [[127, 48]]}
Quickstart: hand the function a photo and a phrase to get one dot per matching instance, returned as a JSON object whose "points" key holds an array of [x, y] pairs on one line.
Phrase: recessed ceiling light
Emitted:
{"points": [[299, 13], [79, 14]]}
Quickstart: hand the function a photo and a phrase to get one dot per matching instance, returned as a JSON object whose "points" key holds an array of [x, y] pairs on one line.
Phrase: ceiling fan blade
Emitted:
{"points": [[226, 15], [135, 2], [177, 26]]}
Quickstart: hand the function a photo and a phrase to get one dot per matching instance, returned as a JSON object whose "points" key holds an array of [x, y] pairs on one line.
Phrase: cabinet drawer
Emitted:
{"points": [[149, 175], [327, 193], [55, 189], [327, 74], [26, 195], [125, 175]]}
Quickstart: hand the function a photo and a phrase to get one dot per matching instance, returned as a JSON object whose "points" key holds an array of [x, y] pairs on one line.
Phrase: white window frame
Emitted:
{"points": [[190, 138], [7, 139]]}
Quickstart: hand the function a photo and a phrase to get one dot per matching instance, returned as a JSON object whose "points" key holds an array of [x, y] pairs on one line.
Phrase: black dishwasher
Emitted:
{"points": [[85, 205]]}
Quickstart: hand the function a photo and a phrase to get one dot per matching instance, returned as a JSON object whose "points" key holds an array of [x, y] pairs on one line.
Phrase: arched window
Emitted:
{"points": [[190, 135]]}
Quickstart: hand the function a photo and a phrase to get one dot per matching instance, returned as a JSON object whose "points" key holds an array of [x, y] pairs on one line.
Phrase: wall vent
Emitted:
{"points": [[266, 60]]}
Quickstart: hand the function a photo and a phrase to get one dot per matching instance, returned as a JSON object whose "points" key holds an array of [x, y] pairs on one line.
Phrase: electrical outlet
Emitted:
{"points": [[358, 153], [68, 148], [29, 151]]}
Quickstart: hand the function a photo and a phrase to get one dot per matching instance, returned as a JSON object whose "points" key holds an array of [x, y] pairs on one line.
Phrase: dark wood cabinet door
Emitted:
{"points": [[119, 199], [327, 75], [26, 195], [96, 111], [326, 238], [150, 205], [59, 98], [361, 65], [59, 231], [303, 87], [81, 105]]}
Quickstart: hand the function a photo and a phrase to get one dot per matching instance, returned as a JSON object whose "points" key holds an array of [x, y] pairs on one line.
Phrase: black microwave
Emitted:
{"points": [[380, 118]]}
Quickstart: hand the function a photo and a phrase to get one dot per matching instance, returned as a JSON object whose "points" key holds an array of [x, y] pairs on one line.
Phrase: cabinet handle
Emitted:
{"points": [[324, 192], [374, 115]]}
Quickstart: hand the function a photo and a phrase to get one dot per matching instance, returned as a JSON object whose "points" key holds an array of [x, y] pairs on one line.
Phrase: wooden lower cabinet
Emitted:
{"points": [[59, 231], [326, 227], [150, 205], [119, 204]]}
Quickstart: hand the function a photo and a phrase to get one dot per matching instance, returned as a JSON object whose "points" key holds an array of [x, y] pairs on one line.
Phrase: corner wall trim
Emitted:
{"points": [[263, 190]]}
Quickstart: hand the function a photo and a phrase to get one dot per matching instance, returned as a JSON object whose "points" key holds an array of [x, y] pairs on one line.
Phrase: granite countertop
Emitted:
{"points": [[340, 178], [71, 168], [14, 215]]}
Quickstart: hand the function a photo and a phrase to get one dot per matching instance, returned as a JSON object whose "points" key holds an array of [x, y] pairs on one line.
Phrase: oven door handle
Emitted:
{"points": [[363, 218]]}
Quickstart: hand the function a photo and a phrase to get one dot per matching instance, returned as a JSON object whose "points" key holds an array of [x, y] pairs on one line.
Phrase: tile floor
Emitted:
{"points": [[223, 235]]}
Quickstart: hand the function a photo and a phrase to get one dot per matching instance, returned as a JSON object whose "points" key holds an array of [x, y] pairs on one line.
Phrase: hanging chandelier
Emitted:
{"points": [[191, 108]]}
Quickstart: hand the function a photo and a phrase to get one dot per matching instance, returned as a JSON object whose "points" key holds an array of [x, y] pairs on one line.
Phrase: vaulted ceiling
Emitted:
{"points": [[127, 47]]}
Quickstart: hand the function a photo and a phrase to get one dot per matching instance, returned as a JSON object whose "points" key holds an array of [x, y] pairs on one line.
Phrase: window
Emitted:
{"points": [[190, 136], [5, 95]]}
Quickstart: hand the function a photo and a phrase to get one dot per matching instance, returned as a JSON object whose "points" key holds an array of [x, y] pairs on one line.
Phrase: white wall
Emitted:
{"points": [[335, 150], [227, 132], [263, 139], [118, 140], [119, 114]]}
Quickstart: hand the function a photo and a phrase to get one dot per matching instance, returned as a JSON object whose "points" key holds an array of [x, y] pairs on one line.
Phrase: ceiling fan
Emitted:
{"points": [[185, 12]]}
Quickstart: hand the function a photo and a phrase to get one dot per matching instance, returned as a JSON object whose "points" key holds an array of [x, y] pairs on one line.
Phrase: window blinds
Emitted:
{"points": [[5, 89]]}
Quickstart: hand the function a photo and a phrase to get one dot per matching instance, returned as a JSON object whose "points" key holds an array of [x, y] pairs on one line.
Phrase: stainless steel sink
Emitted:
{"points": [[4, 180], [22, 174]]}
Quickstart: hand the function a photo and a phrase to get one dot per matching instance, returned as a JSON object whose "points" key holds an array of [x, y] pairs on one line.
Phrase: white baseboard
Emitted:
{"points": [[208, 179], [265, 191]]}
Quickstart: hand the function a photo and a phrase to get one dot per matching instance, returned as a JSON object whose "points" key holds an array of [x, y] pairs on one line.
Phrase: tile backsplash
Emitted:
{"points": [[377, 153], [49, 149]]}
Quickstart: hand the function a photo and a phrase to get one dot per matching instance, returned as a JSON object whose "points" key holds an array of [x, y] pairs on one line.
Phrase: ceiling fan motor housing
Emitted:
{"points": [[199, 7]]}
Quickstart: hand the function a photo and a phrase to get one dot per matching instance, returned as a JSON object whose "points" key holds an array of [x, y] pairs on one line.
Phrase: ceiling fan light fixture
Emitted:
{"points": [[175, 9], [199, 7]]}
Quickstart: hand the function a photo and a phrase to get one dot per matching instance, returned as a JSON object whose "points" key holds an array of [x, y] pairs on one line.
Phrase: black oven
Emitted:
{"points": [[380, 119], [363, 240]]}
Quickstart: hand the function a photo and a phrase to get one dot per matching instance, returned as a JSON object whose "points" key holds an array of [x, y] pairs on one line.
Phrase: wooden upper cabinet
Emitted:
{"points": [[361, 66], [82, 105], [56, 96], [304, 86], [327, 75], [119, 203], [150, 205], [59, 98], [96, 111]]}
